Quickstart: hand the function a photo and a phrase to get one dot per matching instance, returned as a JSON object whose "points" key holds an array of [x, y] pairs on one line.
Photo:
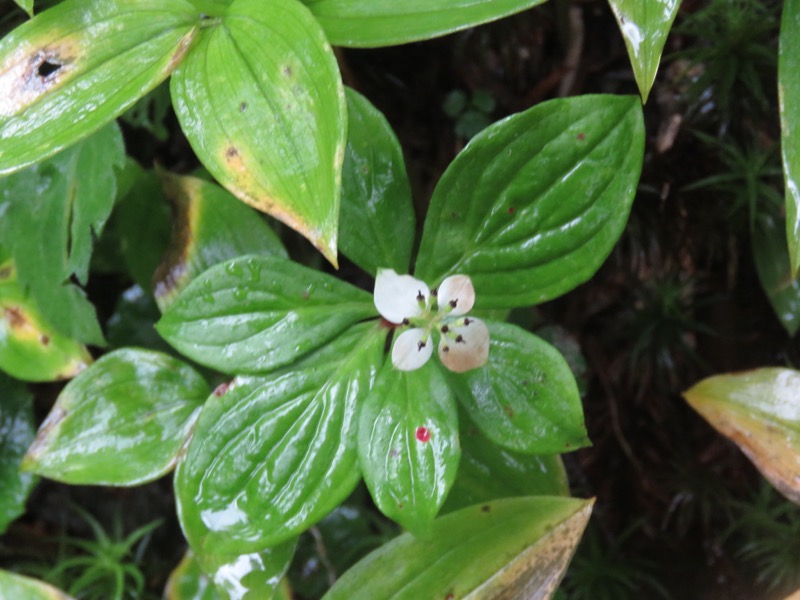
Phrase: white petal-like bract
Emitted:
{"points": [[457, 292], [466, 347], [397, 297], [410, 351]]}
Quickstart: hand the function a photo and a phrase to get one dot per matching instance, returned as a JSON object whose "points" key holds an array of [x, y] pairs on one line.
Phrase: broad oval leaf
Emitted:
{"points": [[256, 313], [271, 456], [261, 100], [525, 398], [789, 100], [76, 66], [534, 204], [775, 273], [512, 548], [30, 349], [490, 472], [209, 226], [645, 25], [19, 586], [17, 430], [124, 421], [188, 582], [377, 224], [759, 411], [372, 23], [408, 444]]}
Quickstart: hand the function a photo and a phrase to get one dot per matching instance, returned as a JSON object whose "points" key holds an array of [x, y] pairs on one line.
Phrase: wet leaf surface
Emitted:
{"points": [[17, 430], [775, 273], [789, 98]]}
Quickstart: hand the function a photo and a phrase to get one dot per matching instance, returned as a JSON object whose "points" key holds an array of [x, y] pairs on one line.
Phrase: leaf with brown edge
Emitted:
{"points": [[76, 66], [760, 412], [261, 101]]}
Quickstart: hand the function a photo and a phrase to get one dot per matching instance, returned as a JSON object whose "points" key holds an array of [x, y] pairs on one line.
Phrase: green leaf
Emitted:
{"points": [[644, 25], [490, 472], [75, 67], [775, 273], [534, 204], [271, 456], [26, 5], [377, 224], [210, 226], [30, 349], [188, 582], [256, 313], [759, 411], [513, 548], [17, 430], [261, 100], [789, 99], [371, 23], [19, 586], [133, 322], [525, 398], [55, 209], [123, 421], [408, 444]]}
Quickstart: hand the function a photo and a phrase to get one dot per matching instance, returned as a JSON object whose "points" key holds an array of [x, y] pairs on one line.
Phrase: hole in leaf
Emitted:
{"points": [[47, 68]]}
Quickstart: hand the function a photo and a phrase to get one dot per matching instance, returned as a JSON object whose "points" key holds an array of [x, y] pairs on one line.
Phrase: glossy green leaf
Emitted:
{"points": [[775, 273], [377, 224], [19, 586], [271, 456], [789, 100], [261, 100], [512, 548], [55, 210], [534, 204], [371, 23], [525, 398], [30, 349], [256, 313], [17, 430], [210, 226], [645, 25], [124, 421], [26, 5], [188, 582], [759, 411], [75, 67], [489, 472], [408, 444]]}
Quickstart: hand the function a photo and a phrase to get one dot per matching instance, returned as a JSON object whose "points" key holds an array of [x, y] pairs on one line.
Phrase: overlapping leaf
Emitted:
{"points": [[273, 455], [256, 313], [535, 203], [13, 585], [261, 100], [775, 273], [76, 66], [124, 421], [789, 98]]}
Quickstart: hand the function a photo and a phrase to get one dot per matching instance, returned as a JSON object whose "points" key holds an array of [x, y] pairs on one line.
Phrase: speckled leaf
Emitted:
{"points": [[256, 313], [123, 421], [19, 586], [512, 548], [271, 456], [76, 66], [759, 411], [534, 204], [17, 430], [377, 224], [26, 5], [261, 100], [645, 25], [371, 23], [775, 273], [525, 398], [55, 210], [210, 226], [408, 444], [489, 472], [789, 100], [30, 349]]}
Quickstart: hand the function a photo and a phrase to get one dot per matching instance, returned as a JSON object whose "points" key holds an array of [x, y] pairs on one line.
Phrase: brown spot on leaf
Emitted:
{"points": [[509, 411], [287, 70], [243, 107], [222, 389], [581, 136], [14, 316], [511, 210], [486, 508], [231, 152], [44, 340], [6, 272]]}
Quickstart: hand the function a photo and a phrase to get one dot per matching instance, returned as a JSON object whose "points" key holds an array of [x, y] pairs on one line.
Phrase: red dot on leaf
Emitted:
{"points": [[423, 435], [220, 390]]}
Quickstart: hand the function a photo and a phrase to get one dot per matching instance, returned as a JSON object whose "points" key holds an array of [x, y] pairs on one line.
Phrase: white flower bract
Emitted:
{"points": [[408, 302]]}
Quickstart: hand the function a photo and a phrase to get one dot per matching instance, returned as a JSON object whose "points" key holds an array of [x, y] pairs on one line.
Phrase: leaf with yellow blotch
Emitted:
{"points": [[261, 100], [75, 67], [760, 412]]}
